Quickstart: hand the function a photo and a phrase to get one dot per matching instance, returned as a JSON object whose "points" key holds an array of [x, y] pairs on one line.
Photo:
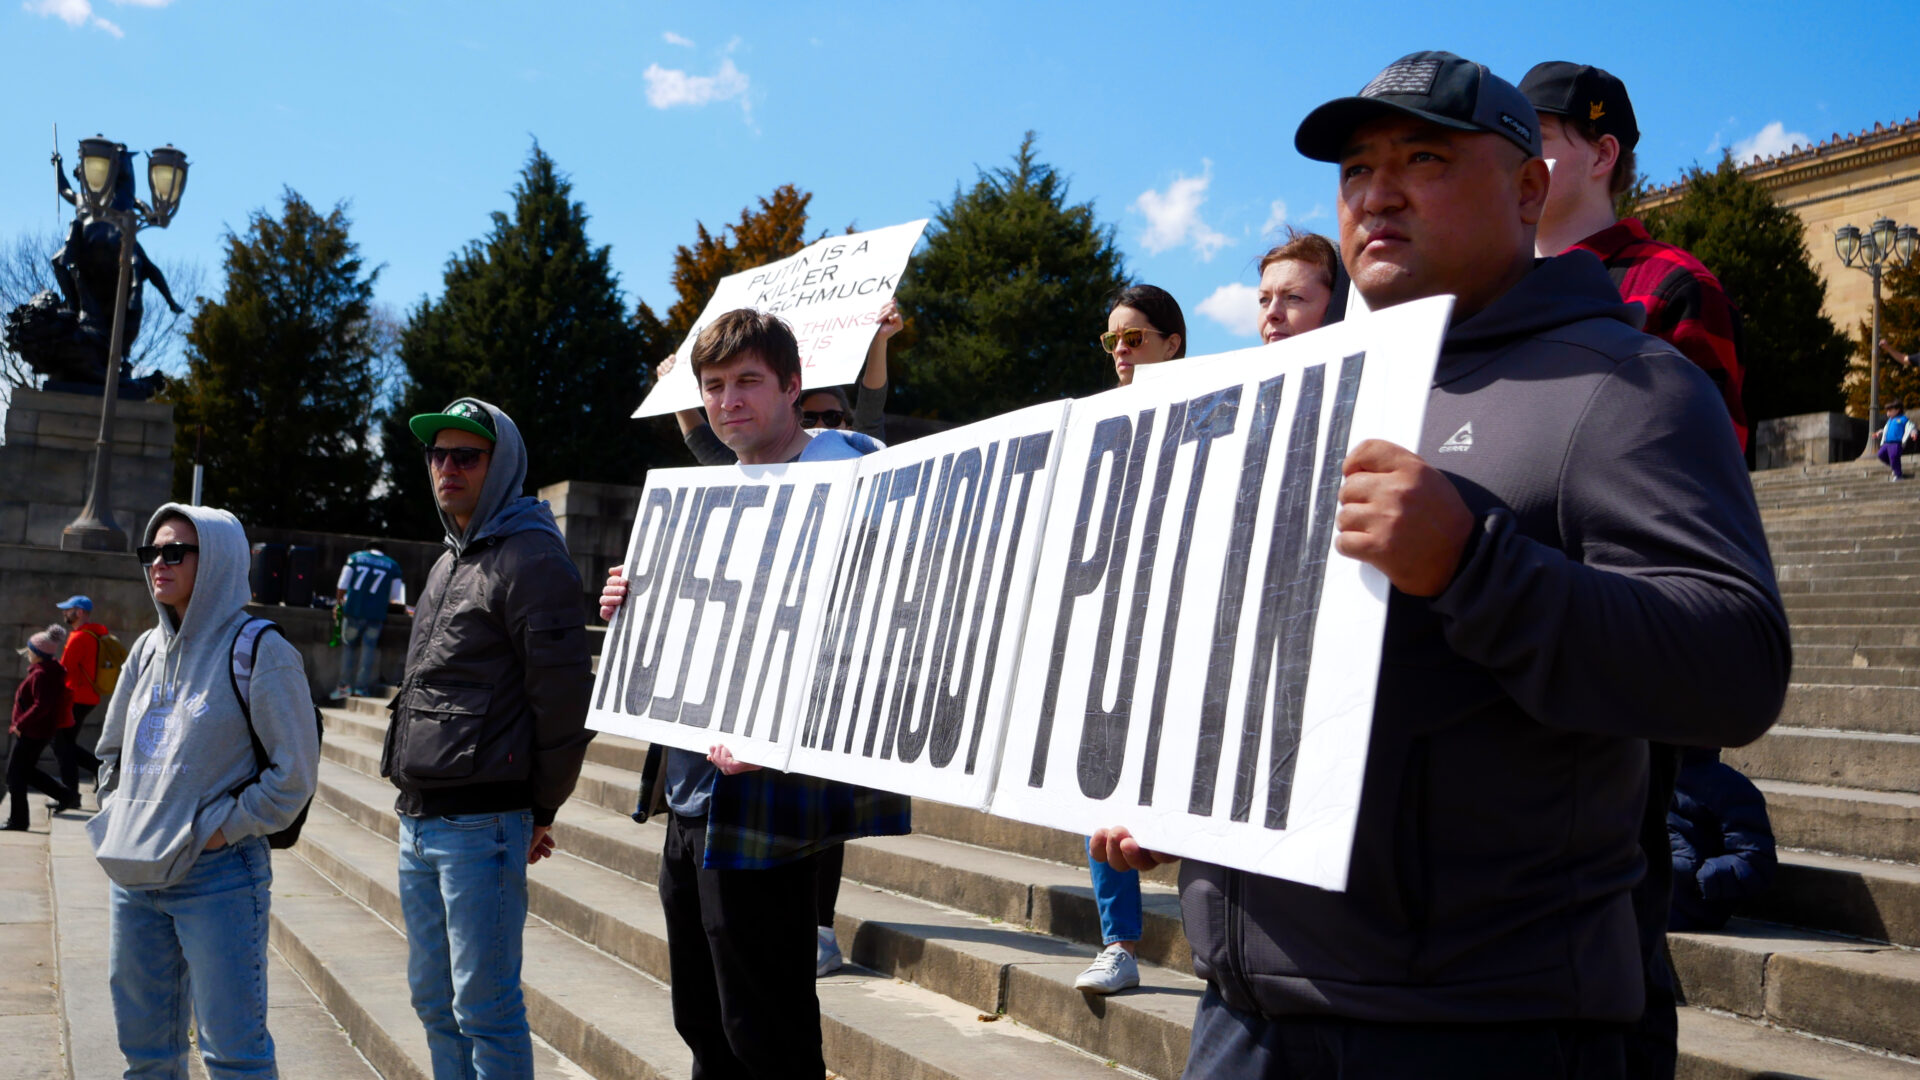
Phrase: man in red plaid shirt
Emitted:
{"points": [[1587, 132], [1587, 135]]}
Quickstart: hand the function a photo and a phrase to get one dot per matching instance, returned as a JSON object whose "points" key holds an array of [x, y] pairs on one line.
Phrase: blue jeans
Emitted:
{"points": [[463, 892], [359, 651], [211, 926], [1117, 894]]}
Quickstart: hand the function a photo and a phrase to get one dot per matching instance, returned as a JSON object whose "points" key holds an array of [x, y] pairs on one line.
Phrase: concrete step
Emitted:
{"points": [[1829, 633], [1878, 901], [1846, 759], [1808, 655], [1840, 546], [1837, 565], [962, 908], [611, 780], [601, 933], [1897, 585], [1807, 672], [1900, 601], [308, 1044], [1844, 821], [1888, 709], [1715, 1047], [357, 962], [1825, 528], [1790, 977]]}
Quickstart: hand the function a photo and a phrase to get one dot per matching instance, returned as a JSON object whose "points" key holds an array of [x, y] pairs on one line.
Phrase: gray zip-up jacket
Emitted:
{"points": [[175, 760], [1617, 589], [491, 714]]}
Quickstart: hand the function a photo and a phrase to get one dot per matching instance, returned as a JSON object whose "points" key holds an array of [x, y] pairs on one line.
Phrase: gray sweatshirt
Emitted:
{"points": [[176, 762]]}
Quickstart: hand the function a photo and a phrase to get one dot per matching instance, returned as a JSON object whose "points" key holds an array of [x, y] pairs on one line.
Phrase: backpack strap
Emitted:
{"points": [[246, 652]]}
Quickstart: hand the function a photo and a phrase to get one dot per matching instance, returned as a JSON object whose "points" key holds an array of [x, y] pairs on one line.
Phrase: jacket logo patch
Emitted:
{"points": [[1460, 441]]}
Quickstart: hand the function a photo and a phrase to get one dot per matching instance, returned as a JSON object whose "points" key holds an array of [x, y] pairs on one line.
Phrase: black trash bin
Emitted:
{"points": [[303, 564], [268, 573]]}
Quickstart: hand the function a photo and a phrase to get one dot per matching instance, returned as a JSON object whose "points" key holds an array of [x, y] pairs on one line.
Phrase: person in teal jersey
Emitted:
{"points": [[368, 583]]}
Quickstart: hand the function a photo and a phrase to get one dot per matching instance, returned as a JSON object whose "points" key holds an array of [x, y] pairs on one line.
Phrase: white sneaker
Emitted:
{"points": [[340, 693], [826, 953], [1112, 971]]}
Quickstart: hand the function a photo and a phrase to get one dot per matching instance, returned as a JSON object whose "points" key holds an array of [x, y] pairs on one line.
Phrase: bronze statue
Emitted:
{"points": [[65, 337]]}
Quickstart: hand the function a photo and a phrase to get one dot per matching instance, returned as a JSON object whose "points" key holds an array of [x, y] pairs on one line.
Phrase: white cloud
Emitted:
{"points": [[1770, 140], [1236, 307], [672, 38], [1276, 217], [80, 12], [1319, 211], [671, 87], [1173, 216]]}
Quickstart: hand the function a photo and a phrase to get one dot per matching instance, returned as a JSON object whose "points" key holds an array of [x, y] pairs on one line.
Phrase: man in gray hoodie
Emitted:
{"points": [[186, 804], [486, 740], [1577, 566]]}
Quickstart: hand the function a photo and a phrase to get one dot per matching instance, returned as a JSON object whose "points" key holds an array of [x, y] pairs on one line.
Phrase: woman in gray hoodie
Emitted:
{"points": [[186, 806]]}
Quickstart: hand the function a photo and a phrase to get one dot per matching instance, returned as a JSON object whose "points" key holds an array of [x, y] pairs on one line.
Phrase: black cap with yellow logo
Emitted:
{"points": [[1586, 93]]}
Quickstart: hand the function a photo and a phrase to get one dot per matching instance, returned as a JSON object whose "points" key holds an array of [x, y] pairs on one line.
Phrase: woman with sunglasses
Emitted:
{"points": [[190, 788], [1144, 326], [823, 408]]}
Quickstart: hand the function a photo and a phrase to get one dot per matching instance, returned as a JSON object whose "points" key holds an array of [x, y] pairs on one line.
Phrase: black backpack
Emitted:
{"points": [[246, 650]]}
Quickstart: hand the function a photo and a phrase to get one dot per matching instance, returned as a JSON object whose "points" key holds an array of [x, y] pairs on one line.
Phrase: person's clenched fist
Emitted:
{"points": [[1402, 517]]}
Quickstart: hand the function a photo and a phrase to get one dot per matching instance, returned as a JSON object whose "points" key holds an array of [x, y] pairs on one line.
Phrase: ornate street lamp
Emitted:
{"points": [[100, 163], [1867, 252]]}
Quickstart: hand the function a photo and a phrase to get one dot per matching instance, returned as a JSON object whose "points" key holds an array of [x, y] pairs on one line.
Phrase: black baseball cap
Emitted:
{"points": [[467, 414], [1435, 86], [1585, 93]]}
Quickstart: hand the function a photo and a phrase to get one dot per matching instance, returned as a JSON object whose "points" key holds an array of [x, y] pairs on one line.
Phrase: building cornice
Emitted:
{"points": [[1801, 164]]}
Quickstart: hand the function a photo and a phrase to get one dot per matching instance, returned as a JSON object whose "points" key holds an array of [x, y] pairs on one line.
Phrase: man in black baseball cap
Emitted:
{"points": [[1577, 566], [1426, 151]]}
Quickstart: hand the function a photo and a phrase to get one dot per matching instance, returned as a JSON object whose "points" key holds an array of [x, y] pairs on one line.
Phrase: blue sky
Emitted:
{"points": [[1176, 120]]}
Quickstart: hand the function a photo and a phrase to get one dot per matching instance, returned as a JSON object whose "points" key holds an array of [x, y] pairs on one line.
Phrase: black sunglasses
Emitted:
{"points": [[463, 458], [826, 418], [172, 554]]}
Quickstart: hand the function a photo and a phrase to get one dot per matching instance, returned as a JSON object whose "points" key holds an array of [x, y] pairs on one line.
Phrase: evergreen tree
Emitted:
{"points": [[1794, 356], [533, 321], [280, 374], [1900, 326], [1008, 297]]}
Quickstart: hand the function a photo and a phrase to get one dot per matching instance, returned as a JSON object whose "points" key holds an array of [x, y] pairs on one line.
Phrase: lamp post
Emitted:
{"points": [[101, 160], [1867, 252]]}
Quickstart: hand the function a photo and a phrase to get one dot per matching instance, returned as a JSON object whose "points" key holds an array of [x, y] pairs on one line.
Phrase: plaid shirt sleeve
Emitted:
{"points": [[765, 818]]}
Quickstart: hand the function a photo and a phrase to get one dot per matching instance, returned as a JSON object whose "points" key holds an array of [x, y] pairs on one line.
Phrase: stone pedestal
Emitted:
{"points": [[47, 462], [597, 520], [1809, 439]]}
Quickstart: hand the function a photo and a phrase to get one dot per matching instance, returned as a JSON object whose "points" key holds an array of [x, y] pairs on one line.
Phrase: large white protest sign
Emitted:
{"points": [[724, 595], [1199, 664], [917, 651], [830, 292]]}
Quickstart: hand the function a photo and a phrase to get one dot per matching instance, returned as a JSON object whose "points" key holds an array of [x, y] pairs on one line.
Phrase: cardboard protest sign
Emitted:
{"points": [[829, 292], [1199, 664], [724, 596], [918, 648]]}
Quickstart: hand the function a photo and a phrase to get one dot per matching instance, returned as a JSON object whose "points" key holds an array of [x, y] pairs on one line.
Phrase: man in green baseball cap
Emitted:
{"points": [[488, 733]]}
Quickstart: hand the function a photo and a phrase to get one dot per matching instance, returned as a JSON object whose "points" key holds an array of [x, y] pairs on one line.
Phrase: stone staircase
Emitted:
{"points": [[963, 939]]}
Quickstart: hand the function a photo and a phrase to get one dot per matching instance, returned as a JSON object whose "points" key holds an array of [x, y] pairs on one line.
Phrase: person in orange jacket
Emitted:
{"points": [[81, 659]]}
